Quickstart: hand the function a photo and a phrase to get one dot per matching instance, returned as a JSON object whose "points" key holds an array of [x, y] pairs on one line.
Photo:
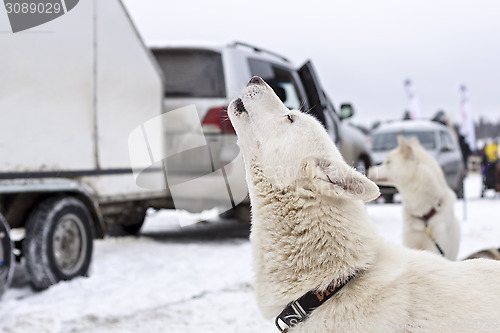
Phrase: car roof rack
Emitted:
{"points": [[259, 49]]}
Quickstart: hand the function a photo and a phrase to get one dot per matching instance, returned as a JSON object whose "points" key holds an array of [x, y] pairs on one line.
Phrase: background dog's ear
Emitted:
{"points": [[414, 141], [405, 147], [339, 178]]}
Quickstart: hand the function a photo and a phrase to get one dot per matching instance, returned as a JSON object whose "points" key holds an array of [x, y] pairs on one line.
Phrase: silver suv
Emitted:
{"points": [[436, 138], [210, 77]]}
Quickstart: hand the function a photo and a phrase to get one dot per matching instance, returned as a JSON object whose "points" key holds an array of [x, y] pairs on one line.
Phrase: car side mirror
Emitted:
{"points": [[346, 111], [446, 149]]}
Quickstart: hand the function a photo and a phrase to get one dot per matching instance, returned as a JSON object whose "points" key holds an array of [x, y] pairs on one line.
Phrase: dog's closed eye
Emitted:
{"points": [[290, 117]]}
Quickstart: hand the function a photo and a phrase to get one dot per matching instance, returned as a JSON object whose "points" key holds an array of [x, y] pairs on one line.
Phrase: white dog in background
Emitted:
{"points": [[311, 234], [429, 219]]}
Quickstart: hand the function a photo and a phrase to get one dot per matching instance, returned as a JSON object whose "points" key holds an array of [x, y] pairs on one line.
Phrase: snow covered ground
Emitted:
{"points": [[192, 279]]}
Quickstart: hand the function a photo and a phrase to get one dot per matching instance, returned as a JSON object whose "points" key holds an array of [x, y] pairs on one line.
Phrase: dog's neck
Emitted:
{"points": [[304, 243], [424, 184]]}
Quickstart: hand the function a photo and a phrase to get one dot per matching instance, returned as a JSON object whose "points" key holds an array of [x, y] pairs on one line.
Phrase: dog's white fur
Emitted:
{"points": [[422, 185], [310, 227]]}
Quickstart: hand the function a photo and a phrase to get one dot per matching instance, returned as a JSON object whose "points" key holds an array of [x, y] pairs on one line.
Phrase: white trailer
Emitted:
{"points": [[71, 92]]}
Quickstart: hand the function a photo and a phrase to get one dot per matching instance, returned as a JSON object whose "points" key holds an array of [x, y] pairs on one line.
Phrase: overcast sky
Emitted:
{"points": [[362, 50]]}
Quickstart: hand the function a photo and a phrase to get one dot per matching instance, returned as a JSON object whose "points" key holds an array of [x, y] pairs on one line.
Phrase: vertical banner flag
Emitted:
{"points": [[414, 109], [466, 118]]}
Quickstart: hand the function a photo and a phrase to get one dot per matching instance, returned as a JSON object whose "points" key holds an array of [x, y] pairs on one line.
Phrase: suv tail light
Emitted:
{"points": [[217, 121]]}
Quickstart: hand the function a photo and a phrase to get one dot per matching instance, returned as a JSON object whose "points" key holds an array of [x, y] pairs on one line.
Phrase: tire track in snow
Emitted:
{"points": [[170, 317]]}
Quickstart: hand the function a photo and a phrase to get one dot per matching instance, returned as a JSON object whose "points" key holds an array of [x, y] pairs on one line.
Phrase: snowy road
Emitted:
{"points": [[193, 279]]}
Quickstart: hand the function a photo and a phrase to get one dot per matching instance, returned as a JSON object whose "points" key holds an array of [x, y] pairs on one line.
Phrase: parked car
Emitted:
{"points": [[210, 77], [436, 138]]}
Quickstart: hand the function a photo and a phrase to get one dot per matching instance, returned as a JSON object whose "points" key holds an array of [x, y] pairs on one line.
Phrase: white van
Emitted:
{"points": [[67, 107]]}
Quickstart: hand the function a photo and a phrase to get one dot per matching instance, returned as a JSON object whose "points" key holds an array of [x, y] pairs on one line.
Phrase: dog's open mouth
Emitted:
{"points": [[240, 107]]}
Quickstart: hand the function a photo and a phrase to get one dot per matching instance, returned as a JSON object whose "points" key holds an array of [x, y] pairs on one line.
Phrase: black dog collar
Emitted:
{"points": [[300, 309]]}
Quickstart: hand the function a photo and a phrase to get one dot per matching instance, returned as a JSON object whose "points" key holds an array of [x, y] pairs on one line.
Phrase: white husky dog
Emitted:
{"points": [[311, 236], [428, 215]]}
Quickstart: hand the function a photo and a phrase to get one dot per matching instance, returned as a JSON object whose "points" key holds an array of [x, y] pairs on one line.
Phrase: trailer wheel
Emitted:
{"points": [[6, 256], [58, 242]]}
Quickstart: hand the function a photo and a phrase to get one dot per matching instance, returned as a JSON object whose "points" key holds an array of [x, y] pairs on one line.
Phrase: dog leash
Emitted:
{"points": [[299, 310], [425, 218], [431, 236]]}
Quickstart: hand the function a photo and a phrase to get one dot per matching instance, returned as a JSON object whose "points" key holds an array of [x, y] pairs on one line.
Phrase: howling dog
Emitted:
{"points": [[320, 264], [429, 219]]}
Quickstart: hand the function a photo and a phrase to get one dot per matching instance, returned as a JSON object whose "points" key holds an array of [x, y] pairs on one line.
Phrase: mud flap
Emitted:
{"points": [[6, 256]]}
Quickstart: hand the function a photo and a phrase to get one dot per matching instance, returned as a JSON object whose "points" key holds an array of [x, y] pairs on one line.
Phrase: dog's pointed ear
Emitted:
{"points": [[340, 180], [414, 141], [405, 147]]}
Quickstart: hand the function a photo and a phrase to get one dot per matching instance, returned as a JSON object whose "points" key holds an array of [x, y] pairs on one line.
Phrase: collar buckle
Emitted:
{"points": [[292, 315]]}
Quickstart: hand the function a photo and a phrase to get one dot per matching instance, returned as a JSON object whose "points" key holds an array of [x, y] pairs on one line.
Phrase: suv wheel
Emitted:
{"points": [[129, 224], [361, 166], [388, 198]]}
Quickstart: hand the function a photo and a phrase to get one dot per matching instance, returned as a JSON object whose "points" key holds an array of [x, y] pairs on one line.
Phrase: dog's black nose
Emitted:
{"points": [[255, 80], [240, 107]]}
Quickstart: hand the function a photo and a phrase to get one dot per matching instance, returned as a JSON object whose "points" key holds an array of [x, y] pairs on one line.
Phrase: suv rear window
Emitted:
{"points": [[389, 141], [192, 73], [280, 79]]}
